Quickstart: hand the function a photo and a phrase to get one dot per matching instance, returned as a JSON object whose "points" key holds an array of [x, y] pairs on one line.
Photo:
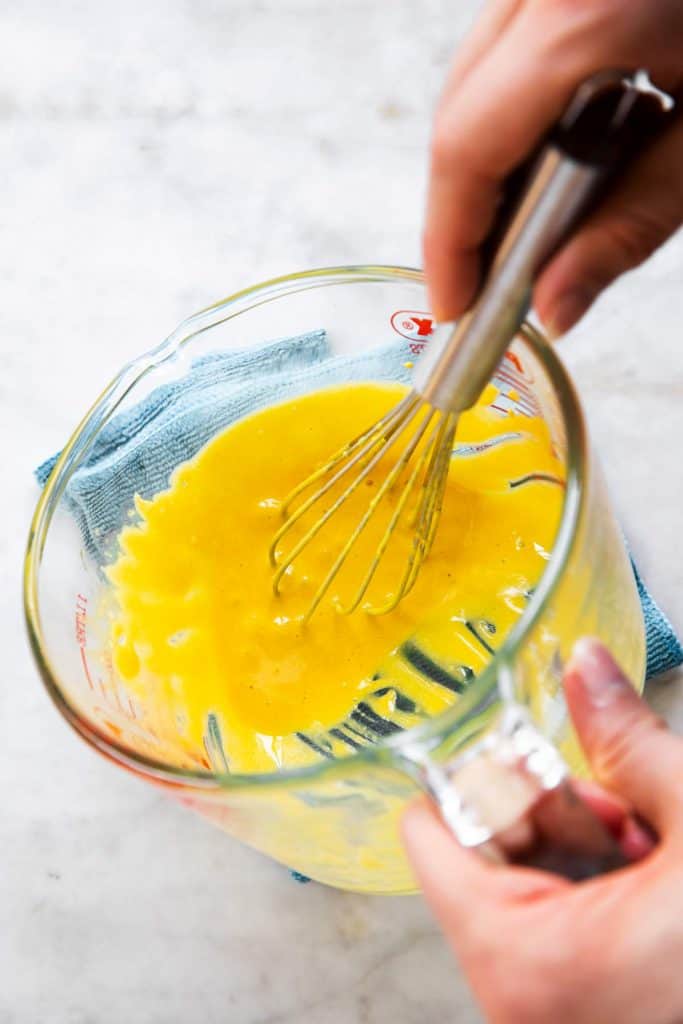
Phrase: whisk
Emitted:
{"points": [[609, 119]]}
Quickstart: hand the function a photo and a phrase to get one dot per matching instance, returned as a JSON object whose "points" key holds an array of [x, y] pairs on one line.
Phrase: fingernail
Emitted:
{"points": [[568, 309], [635, 842], [600, 677]]}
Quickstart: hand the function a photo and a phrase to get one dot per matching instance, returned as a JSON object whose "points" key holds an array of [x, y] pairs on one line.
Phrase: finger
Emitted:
{"points": [[634, 839], [458, 883], [460, 208], [629, 748], [492, 21], [496, 116], [609, 807], [643, 212]]}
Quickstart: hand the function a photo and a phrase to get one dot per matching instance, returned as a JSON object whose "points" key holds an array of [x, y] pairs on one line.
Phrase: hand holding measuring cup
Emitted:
{"points": [[536, 948], [510, 81]]}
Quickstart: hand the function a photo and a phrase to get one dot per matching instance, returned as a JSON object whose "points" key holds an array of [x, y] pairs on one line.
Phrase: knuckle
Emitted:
{"points": [[443, 149], [581, 18], [574, 7], [626, 743], [451, 148], [636, 235], [585, 36], [573, 28]]}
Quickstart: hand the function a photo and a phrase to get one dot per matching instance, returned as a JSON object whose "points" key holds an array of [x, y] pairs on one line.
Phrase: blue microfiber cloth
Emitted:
{"points": [[136, 452], [663, 647]]}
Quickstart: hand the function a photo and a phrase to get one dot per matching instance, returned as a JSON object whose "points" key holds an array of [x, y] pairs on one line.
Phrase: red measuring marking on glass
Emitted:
{"points": [[82, 641], [512, 376], [81, 634], [415, 325], [115, 708], [125, 706]]}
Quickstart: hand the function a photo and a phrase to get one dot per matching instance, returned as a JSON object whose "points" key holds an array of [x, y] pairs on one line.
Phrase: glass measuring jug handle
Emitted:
{"points": [[511, 798]]}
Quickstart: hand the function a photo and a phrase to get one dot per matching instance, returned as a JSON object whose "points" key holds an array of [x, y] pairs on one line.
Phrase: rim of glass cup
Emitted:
{"points": [[386, 752]]}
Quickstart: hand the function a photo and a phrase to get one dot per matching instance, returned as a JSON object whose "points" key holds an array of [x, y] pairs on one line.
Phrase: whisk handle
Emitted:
{"points": [[610, 119]]}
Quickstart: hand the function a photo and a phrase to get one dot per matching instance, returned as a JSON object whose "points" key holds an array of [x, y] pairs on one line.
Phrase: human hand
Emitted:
{"points": [[511, 80], [537, 948]]}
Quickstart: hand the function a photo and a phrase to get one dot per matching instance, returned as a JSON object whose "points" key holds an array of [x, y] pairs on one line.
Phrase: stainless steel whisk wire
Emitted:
{"points": [[366, 451]]}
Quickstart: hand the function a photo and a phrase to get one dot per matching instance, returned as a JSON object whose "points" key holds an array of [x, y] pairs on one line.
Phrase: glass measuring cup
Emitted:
{"points": [[505, 741]]}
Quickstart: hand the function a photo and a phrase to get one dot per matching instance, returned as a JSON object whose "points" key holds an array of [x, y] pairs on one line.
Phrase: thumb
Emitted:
{"points": [[630, 750], [643, 211], [461, 887]]}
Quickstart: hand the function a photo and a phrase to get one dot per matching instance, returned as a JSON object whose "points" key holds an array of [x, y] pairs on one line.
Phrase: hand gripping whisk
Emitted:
{"points": [[609, 120]]}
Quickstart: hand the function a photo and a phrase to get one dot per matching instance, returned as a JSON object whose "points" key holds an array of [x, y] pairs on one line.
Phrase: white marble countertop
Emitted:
{"points": [[155, 157]]}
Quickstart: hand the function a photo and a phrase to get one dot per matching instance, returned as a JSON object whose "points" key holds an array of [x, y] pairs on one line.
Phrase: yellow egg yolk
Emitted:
{"points": [[220, 663]]}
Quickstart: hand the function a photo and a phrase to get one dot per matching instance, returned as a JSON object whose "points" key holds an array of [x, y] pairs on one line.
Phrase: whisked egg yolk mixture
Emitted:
{"points": [[227, 673]]}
